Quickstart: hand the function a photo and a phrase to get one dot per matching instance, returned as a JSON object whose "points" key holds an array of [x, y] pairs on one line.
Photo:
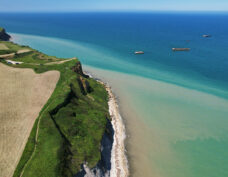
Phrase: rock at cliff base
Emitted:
{"points": [[3, 35]]}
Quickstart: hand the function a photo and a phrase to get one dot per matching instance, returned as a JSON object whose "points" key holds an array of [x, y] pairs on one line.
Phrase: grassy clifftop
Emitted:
{"points": [[70, 127]]}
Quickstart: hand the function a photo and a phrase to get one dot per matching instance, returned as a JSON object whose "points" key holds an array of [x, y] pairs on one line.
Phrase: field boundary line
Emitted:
{"points": [[36, 138]]}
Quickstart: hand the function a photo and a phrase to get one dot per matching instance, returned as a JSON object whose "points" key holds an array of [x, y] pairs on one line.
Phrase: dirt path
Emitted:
{"points": [[23, 51], [53, 63], [60, 62], [11, 55], [36, 138]]}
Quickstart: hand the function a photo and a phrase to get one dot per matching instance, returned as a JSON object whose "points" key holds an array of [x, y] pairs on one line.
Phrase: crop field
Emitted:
{"points": [[23, 93]]}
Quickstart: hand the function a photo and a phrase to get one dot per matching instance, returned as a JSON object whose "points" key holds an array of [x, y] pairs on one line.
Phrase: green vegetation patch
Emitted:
{"points": [[13, 46], [71, 124], [30, 57]]}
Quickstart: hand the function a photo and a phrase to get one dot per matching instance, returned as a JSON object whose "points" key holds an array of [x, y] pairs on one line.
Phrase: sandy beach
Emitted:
{"points": [[119, 162]]}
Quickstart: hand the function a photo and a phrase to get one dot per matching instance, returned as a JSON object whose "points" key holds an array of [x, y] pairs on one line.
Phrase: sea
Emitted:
{"points": [[174, 104]]}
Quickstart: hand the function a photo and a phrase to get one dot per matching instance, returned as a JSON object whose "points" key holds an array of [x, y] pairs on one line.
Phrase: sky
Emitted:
{"points": [[111, 5]]}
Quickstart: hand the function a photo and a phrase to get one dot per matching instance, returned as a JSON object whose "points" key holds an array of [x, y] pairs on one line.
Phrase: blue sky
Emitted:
{"points": [[113, 5]]}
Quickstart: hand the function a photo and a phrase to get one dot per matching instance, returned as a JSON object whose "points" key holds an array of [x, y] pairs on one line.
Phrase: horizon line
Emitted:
{"points": [[123, 11]]}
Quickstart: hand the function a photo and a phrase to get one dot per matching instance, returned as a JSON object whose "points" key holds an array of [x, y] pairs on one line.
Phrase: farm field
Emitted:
{"points": [[23, 93]]}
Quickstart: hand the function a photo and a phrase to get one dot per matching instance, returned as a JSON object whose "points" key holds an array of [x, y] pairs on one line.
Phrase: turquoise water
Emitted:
{"points": [[174, 104], [174, 131]]}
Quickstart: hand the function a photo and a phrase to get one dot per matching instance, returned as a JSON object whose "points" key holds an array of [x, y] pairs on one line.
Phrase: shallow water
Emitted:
{"points": [[173, 131], [171, 128], [174, 105]]}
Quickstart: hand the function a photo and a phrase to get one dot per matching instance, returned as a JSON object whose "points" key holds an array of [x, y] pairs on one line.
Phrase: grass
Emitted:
{"points": [[23, 94], [3, 47], [71, 123], [27, 151], [12, 48], [34, 56]]}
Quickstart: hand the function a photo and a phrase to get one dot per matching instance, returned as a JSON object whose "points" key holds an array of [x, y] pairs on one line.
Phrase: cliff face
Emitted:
{"points": [[78, 69], [103, 167], [84, 85], [3, 35]]}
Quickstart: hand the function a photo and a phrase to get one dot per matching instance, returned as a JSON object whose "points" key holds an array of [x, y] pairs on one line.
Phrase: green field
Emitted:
{"points": [[70, 127]]}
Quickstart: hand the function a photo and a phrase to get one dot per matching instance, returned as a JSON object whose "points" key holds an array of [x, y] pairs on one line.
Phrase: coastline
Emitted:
{"points": [[170, 93], [119, 161], [118, 157]]}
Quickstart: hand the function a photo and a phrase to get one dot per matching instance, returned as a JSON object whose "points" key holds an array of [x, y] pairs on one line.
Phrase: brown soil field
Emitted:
{"points": [[60, 62], [23, 93]]}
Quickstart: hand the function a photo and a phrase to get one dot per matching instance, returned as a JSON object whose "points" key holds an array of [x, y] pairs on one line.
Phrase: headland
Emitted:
{"points": [[74, 133]]}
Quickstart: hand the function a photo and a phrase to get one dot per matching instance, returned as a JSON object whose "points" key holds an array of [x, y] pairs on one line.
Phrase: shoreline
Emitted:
{"points": [[146, 117], [119, 161]]}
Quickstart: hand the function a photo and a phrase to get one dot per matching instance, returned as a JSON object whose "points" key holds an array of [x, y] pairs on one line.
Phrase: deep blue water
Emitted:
{"points": [[191, 125], [154, 33]]}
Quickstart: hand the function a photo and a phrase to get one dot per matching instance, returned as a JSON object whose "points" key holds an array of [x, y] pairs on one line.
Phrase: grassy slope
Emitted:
{"points": [[71, 123]]}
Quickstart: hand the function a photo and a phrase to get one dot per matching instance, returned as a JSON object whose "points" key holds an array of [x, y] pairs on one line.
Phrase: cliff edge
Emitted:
{"points": [[73, 134], [3, 35]]}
